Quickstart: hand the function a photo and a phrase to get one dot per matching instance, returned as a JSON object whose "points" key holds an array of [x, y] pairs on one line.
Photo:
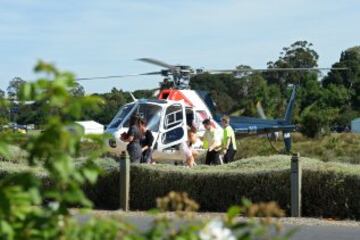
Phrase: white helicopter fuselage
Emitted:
{"points": [[168, 118]]}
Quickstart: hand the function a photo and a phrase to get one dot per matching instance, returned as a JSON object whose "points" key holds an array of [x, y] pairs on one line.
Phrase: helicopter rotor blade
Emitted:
{"points": [[290, 69], [156, 62], [217, 71], [117, 76], [240, 70]]}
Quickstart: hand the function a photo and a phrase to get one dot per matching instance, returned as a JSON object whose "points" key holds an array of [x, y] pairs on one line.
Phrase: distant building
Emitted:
{"points": [[30, 126], [91, 127], [355, 125]]}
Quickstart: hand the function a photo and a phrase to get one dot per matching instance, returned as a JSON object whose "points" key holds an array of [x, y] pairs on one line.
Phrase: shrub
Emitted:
{"points": [[328, 189]]}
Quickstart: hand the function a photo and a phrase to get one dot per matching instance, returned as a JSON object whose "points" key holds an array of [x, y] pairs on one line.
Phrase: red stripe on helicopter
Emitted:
{"points": [[175, 95]]}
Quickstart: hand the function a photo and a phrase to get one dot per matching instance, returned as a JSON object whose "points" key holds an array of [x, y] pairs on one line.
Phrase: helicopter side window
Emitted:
{"points": [[174, 119], [173, 135], [174, 116], [119, 117]]}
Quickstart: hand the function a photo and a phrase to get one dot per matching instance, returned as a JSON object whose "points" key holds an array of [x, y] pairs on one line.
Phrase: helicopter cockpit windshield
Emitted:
{"points": [[120, 116], [151, 113]]}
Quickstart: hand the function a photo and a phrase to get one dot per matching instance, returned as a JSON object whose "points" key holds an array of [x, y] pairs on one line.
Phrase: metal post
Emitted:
{"points": [[124, 181], [296, 175]]}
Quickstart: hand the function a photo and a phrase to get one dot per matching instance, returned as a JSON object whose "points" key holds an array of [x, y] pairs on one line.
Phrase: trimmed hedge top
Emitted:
{"points": [[248, 165], [11, 167], [260, 164]]}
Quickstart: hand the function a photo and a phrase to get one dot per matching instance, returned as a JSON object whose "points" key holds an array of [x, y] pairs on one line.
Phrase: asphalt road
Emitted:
{"points": [[328, 232], [307, 228]]}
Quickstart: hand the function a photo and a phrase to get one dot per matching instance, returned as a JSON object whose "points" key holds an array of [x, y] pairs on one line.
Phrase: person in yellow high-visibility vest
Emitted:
{"points": [[211, 142], [228, 141]]}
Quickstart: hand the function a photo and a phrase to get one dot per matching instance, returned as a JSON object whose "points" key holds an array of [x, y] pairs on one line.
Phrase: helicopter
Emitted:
{"points": [[177, 107]]}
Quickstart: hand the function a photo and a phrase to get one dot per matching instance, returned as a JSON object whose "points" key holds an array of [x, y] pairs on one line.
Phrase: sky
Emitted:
{"points": [[99, 38]]}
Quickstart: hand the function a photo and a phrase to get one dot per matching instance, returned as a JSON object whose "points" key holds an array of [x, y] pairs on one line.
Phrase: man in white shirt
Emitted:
{"points": [[211, 142]]}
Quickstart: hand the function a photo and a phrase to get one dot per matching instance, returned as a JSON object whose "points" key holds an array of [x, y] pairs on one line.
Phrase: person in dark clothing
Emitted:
{"points": [[133, 136], [146, 142]]}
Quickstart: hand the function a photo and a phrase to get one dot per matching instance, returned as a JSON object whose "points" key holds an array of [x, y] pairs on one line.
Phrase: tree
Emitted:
{"points": [[350, 79], [4, 109], [112, 103], [298, 55], [273, 103], [2, 94], [315, 119], [77, 90], [14, 87], [220, 87], [317, 108], [144, 93], [247, 91]]}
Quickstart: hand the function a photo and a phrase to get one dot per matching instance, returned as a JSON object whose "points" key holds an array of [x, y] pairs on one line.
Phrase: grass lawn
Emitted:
{"points": [[336, 147], [343, 147]]}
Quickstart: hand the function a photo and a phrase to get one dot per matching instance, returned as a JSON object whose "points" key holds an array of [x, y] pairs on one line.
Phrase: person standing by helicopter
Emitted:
{"points": [[187, 147], [229, 141], [211, 142], [146, 142], [133, 137]]}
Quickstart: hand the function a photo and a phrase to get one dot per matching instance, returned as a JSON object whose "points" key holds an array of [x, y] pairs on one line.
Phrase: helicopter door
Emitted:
{"points": [[173, 130]]}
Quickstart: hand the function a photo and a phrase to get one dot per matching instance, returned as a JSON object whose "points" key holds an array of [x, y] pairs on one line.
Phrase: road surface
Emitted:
{"points": [[307, 228]]}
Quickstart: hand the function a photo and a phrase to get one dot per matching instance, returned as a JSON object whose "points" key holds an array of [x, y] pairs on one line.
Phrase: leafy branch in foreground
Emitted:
{"points": [[27, 209], [183, 224]]}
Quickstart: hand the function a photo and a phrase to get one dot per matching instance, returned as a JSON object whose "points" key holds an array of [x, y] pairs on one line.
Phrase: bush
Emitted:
{"points": [[328, 190], [161, 225]]}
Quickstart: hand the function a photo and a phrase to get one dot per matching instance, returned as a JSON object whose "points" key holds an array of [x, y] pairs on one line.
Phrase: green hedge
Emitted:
{"points": [[329, 189]]}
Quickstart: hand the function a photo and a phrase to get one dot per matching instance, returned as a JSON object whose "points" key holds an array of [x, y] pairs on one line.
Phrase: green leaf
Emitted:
{"points": [[90, 174], [233, 212], [6, 230]]}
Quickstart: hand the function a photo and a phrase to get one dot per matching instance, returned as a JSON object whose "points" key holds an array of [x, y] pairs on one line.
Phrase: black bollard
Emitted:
{"points": [[296, 175], [124, 181]]}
